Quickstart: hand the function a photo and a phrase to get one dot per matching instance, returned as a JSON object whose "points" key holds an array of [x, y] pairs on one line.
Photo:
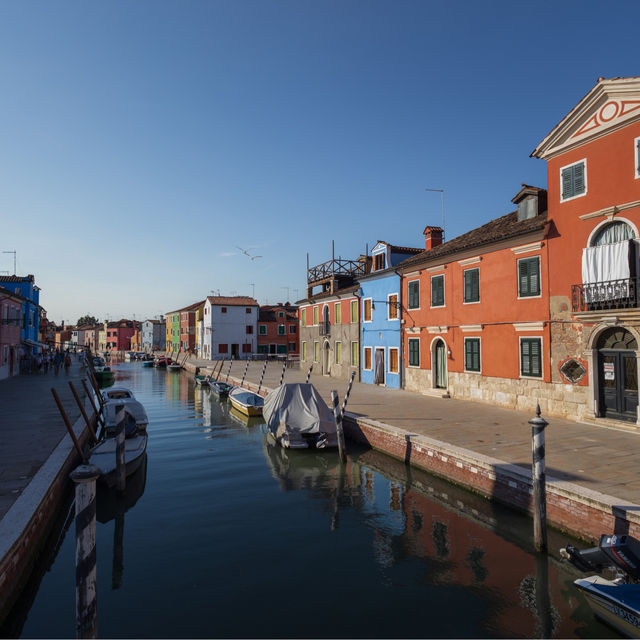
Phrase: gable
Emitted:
{"points": [[609, 106], [379, 248]]}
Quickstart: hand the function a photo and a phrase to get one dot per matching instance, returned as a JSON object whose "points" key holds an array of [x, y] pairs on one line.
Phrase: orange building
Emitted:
{"points": [[593, 168], [278, 330]]}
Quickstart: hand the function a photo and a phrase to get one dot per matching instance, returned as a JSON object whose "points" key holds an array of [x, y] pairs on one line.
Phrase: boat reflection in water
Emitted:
{"points": [[244, 420], [112, 505]]}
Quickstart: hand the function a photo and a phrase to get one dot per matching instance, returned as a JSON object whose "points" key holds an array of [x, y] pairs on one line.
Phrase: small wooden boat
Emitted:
{"points": [[174, 367], [104, 376], [246, 402], [245, 420], [201, 380], [117, 398], [147, 363], [219, 388], [161, 363]]}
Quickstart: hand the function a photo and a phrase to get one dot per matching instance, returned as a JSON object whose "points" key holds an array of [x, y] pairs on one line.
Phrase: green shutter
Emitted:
{"points": [[531, 357], [437, 291], [472, 285], [414, 295], [567, 182], [578, 178], [472, 354]]}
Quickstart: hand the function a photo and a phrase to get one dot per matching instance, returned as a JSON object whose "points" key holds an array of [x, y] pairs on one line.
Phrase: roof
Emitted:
{"points": [[28, 278], [397, 249], [268, 313], [154, 321], [190, 307], [496, 230], [10, 294], [233, 301], [328, 294]]}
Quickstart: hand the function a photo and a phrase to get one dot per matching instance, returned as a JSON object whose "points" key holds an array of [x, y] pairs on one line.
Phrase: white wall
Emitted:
{"points": [[230, 328]]}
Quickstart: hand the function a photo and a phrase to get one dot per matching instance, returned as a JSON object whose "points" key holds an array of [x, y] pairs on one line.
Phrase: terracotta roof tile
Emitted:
{"points": [[231, 301]]}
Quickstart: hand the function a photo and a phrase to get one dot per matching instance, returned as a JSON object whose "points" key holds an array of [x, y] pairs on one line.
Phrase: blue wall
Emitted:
{"points": [[380, 332], [30, 310]]}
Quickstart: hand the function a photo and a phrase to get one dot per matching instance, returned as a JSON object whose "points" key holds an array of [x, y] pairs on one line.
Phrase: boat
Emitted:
{"points": [[162, 362], [128, 356], [174, 367], [104, 376], [220, 388], [117, 398], [147, 363], [201, 380], [103, 454], [246, 402], [298, 418], [615, 601]]}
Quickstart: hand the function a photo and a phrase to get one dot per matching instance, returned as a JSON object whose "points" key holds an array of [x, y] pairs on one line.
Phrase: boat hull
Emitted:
{"points": [[103, 456], [248, 403], [221, 389]]}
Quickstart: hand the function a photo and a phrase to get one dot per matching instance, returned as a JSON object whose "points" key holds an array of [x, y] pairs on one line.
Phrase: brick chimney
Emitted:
{"points": [[432, 237]]}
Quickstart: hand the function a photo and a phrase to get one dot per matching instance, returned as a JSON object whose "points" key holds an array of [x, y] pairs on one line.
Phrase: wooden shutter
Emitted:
{"points": [[567, 182], [414, 295], [578, 178], [393, 360], [367, 311], [472, 285], [530, 356], [393, 307], [367, 357], [472, 354]]}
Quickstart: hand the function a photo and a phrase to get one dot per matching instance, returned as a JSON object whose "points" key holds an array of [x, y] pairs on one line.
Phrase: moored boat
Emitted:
{"points": [[174, 367], [147, 363], [220, 388], [117, 398], [298, 417], [161, 363], [246, 402], [201, 380]]}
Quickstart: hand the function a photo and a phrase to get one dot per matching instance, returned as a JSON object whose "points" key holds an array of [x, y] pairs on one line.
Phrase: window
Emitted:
{"points": [[304, 350], [354, 311], [531, 357], [247, 309], [437, 291], [366, 310], [472, 354], [281, 329], [246, 348], [223, 310], [367, 359], [304, 318], [337, 313], [529, 277], [378, 261], [262, 329], [338, 352], [248, 329], [393, 360], [315, 315], [292, 347], [392, 306], [472, 285], [354, 354], [282, 348], [293, 328], [574, 180], [280, 314], [414, 352], [263, 348], [222, 348], [316, 352], [414, 294]]}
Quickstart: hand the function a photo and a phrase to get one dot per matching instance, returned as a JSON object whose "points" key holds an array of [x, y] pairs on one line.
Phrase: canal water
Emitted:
{"points": [[222, 534]]}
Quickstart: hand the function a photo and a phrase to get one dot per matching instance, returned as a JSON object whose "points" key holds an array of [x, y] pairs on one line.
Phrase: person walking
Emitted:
{"points": [[46, 358], [57, 361], [67, 362]]}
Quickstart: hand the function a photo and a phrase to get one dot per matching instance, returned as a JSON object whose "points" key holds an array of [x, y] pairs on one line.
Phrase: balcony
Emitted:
{"points": [[324, 328], [602, 296]]}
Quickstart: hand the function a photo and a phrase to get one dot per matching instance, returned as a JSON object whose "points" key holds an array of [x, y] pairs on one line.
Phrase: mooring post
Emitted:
{"points": [[346, 395], [121, 476], [82, 411], [244, 375], [309, 374], [84, 478], [264, 368], [229, 371], [99, 416], [338, 416], [284, 368], [538, 425], [67, 423]]}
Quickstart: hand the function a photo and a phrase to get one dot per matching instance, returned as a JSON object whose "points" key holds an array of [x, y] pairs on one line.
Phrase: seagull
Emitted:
{"points": [[247, 253]]}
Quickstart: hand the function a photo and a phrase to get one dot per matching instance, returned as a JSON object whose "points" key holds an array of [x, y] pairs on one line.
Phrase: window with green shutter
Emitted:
{"points": [[262, 329], [263, 348], [414, 294], [472, 285], [472, 354], [414, 352], [573, 180], [529, 277], [282, 348], [437, 291], [531, 357], [281, 330]]}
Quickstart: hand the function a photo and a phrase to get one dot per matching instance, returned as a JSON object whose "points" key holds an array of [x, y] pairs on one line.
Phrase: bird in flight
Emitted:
{"points": [[246, 253]]}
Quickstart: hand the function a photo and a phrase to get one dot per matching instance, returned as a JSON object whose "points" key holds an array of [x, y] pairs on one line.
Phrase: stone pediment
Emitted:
{"points": [[610, 105]]}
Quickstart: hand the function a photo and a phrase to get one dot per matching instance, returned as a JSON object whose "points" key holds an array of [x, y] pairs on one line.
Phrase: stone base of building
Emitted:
{"points": [[555, 399]]}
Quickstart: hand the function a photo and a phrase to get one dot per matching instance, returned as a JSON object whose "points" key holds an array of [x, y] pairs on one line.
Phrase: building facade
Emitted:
{"points": [[25, 287], [153, 335], [278, 330], [11, 322], [229, 327]]}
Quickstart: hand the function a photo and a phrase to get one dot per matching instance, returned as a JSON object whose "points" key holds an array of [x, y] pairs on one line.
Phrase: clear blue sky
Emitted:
{"points": [[142, 142]]}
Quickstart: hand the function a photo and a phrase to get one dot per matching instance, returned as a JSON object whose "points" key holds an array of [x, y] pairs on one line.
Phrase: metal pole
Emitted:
{"points": [[264, 368], [82, 411], [309, 374], [244, 375], [284, 368], [84, 478], [338, 416], [346, 396], [121, 472], [228, 372], [538, 425]]}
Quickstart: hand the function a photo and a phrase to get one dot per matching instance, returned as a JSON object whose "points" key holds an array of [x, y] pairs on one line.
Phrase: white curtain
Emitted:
{"points": [[601, 265]]}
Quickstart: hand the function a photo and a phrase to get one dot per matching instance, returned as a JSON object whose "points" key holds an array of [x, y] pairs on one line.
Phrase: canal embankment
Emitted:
{"points": [[593, 486], [36, 457]]}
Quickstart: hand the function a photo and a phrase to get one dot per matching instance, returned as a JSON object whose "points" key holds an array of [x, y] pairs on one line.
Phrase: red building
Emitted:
{"points": [[119, 334], [188, 326], [278, 330], [10, 325]]}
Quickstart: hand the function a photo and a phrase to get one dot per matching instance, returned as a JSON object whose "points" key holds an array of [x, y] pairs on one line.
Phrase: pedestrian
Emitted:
{"points": [[57, 361], [45, 363], [67, 362]]}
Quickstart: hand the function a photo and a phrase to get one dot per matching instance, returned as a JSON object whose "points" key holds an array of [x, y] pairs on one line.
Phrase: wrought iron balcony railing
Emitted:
{"points": [[324, 328], [601, 296]]}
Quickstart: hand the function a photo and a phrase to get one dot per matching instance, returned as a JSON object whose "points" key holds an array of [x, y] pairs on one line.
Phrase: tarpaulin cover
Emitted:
{"points": [[297, 408]]}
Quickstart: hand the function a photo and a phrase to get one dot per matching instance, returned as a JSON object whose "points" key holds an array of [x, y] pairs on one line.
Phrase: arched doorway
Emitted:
{"points": [[439, 364], [618, 374]]}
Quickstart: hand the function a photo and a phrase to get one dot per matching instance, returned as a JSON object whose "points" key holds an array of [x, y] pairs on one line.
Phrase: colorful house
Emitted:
{"points": [[593, 174], [25, 287], [153, 335], [278, 330], [188, 326], [11, 323], [119, 334], [230, 326], [172, 342]]}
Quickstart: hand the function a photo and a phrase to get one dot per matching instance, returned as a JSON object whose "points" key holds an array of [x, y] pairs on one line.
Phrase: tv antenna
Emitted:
{"points": [[14, 260]]}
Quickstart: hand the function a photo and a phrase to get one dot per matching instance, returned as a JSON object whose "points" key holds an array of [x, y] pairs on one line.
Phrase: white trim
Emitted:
{"points": [[440, 267], [390, 349], [412, 274], [364, 359], [596, 230], [609, 212], [526, 248], [470, 328], [529, 326], [518, 261], [541, 376], [412, 330], [580, 195], [468, 261], [364, 320], [413, 366], [397, 303], [436, 329], [444, 296], [464, 355], [408, 297], [636, 158]]}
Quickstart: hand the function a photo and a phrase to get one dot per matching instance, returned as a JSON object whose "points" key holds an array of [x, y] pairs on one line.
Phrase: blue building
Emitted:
{"points": [[25, 286], [380, 316]]}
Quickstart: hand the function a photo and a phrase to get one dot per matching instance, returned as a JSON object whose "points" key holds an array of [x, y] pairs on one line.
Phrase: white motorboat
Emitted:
{"points": [[116, 397], [298, 417]]}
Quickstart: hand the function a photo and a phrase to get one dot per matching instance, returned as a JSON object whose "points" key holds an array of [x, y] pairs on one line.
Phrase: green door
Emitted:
{"points": [[441, 365]]}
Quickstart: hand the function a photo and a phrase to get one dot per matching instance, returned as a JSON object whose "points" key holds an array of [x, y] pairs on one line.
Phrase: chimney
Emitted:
{"points": [[432, 237]]}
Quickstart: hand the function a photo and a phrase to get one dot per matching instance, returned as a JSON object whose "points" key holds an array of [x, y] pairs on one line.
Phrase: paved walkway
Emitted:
{"points": [[596, 457], [31, 426]]}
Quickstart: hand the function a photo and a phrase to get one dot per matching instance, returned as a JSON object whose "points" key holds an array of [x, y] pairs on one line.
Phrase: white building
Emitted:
{"points": [[229, 327]]}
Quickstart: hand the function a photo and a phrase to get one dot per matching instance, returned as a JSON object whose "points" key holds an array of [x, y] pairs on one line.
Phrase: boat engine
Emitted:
{"points": [[613, 551], [321, 440]]}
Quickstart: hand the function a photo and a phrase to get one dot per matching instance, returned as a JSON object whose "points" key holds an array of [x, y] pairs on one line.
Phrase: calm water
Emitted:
{"points": [[228, 536]]}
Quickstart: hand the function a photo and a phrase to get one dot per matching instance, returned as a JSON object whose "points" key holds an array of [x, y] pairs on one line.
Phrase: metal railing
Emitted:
{"points": [[335, 267], [601, 296], [324, 328]]}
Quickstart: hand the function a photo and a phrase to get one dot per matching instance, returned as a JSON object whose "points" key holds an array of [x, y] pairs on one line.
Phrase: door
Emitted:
{"points": [[235, 350], [441, 365], [618, 372], [325, 359], [379, 367]]}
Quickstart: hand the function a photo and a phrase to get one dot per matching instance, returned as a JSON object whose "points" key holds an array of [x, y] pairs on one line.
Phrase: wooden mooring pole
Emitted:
{"points": [[284, 368], [538, 425], [99, 416], [309, 374], [85, 477], [121, 475], [229, 371], [340, 434], [82, 411], [264, 368], [244, 375], [67, 423]]}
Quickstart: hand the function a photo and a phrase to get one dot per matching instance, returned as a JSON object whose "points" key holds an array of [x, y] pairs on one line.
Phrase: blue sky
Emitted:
{"points": [[143, 142]]}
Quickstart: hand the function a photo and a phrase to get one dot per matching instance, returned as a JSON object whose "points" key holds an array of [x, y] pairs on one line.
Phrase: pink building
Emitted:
{"points": [[119, 334], [10, 325]]}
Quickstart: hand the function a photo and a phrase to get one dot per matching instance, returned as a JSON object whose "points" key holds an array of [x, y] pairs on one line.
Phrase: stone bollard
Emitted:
{"points": [[85, 477], [538, 425]]}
